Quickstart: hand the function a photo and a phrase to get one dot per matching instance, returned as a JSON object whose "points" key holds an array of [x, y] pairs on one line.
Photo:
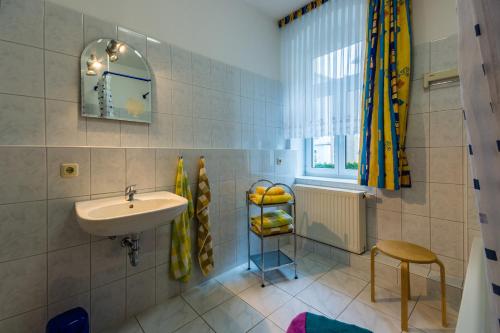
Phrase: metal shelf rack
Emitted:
{"points": [[268, 261]]}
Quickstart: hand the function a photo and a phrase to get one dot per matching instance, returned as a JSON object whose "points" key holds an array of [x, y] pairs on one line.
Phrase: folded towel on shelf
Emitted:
{"points": [[275, 190], [272, 231], [270, 199], [273, 219]]}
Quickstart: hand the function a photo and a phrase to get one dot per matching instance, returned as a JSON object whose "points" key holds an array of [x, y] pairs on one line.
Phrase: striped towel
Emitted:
{"points": [[273, 219], [205, 248], [272, 231], [180, 252]]}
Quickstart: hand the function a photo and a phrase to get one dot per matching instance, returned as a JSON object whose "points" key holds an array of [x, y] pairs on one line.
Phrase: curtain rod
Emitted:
{"points": [[301, 11]]}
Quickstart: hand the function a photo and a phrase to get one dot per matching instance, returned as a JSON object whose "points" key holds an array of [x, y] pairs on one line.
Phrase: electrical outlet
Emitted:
{"points": [[69, 170]]}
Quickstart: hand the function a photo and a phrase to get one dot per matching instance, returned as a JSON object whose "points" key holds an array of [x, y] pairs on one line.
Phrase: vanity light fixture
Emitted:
{"points": [[114, 49], [93, 65]]}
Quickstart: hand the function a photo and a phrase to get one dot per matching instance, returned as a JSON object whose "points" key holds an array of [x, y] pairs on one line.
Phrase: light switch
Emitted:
{"points": [[69, 170]]}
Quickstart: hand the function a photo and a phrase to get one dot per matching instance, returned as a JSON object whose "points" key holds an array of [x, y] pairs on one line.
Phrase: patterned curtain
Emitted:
{"points": [[479, 67], [383, 162]]}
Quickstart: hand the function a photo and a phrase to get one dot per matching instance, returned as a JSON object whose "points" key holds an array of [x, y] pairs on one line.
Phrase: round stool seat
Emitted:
{"points": [[406, 251]]}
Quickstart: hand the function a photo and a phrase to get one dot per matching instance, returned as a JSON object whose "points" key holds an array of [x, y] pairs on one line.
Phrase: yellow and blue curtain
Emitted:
{"points": [[180, 250], [383, 161]]}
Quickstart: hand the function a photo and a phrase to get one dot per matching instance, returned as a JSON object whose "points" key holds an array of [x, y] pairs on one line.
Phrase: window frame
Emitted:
{"points": [[339, 160]]}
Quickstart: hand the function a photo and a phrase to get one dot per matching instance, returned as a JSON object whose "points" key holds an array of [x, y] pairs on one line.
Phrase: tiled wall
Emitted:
{"points": [[201, 107], [436, 211]]}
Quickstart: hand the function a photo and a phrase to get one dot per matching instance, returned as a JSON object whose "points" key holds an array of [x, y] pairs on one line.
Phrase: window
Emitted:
{"points": [[335, 156]]}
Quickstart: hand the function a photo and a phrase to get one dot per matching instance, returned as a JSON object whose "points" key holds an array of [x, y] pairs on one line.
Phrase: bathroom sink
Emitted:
{"points": [[117, 216]]}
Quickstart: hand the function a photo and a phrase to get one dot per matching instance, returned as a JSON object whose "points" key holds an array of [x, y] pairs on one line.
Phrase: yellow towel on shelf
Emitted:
{"points": [[284, 229], [205, 248], [275, 190], [180, 252], [273, 219], [270, 199]]}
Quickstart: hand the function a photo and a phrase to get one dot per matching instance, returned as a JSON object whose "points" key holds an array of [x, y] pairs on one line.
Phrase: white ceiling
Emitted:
{"points": [[277, 8]]}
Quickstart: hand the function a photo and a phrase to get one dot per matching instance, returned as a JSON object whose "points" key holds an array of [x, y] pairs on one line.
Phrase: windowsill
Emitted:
{"points": [[344, 183]]}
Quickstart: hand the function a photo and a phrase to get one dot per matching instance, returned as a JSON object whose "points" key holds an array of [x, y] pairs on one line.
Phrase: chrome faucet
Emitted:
{"points": [[130, 191]]}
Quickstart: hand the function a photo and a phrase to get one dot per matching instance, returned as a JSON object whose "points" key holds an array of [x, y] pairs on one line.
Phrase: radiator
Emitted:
{"points": [[332, 216]]}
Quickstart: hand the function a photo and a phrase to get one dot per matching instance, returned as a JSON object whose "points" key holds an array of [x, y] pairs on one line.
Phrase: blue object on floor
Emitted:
{"points": [[72, 321]]}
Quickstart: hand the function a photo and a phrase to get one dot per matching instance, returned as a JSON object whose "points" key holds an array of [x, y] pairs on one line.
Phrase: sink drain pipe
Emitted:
{"points": [[132, 243]]}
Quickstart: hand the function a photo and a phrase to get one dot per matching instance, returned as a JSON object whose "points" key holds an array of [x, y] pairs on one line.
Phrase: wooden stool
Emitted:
{"points": [[408, 253]]}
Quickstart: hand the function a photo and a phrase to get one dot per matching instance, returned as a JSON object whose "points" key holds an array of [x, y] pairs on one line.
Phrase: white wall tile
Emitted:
{"points": [[446, 165], [63, 29], [182, 132], [62, 77], [33, 321], [94, 28], [421, 60], [444, 54], [65, 126], [80, 300], [107, 170], [181, 65], [203, 132], [165, 286], [22, 120], [24, 285], [247, 84], [446, 128], [63, 228], [385, 224], [21, 181], [416, 199], [389, 200], [418, 130], [134, 39], [22, 22], [166, 167], [160, 130], [134, 134], [108, 262], [201, 70], [23, 230], [147, 253], [218, 75], [419, 101], [202, 103], [447, 201], [59, 187], [68, 272], [159, 57], [23, 73], [182, 99], [108, 305], [445, 98], [416, 229], [447, 238], [141, 291], [141, 168], [103, 132], [162, 95], [418, 159]]}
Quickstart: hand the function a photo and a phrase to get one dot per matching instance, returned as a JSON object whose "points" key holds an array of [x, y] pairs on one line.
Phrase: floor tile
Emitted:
{"points": [[233, 316], [330, 262], [364, 316], [325, 299], [428, 319], [265, 300], [130, 326], [343, 282], [285, 314], [387, 301], [266, 326], [288, 250], [285, 280], [311, 268], [354, 271], [196, 326], [167, 316], [238, 279], [207, 295]]}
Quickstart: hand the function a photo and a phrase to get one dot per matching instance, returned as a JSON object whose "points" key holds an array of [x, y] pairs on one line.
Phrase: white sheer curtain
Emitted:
{"points": [[322, 57]]}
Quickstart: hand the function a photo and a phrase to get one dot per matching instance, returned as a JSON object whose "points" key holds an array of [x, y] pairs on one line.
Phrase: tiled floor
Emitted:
{"points": [[235, 302]]}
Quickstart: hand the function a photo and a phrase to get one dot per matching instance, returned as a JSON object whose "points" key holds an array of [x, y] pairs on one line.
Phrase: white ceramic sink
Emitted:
{"points": [[117, 216]]}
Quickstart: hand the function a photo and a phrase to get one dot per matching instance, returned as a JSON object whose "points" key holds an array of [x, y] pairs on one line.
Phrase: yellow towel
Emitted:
{"points": [[272, 231], [180, 251], [273, 219], [270, 199], [205, 248], [275, 190]]}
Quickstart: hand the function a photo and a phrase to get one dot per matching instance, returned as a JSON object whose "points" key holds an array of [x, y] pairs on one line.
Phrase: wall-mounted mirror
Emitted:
{"points": [[116, 82]]}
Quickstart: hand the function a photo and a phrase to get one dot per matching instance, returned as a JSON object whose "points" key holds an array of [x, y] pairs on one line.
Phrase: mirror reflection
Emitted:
{"points": [[116, 82]]}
